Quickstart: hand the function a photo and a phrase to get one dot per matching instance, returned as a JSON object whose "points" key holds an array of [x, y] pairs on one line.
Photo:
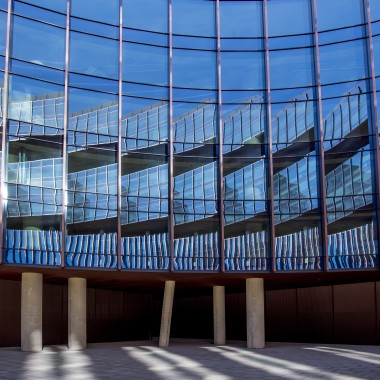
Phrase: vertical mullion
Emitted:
{"points": [[373, 118], [65, 126], [4, 157], [320, 144], [171, 147], [220, 144], [269, 144], [119, 132]]}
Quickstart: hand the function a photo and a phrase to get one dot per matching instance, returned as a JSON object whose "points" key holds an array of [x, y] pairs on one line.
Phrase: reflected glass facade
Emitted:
{"points": [[190, 135]]}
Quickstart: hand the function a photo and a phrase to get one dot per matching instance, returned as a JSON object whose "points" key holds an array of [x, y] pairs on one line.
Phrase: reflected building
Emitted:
{"points": [[190, 142]]}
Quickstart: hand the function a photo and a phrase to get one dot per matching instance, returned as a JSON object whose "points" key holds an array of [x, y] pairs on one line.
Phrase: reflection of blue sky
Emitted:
{"points": [[3, 24], [38, 43], [57, 5], [288, 17], [99, 10], [145, 64], [196, 69], [87, 58], [146, 14], [196, 17], [80, 100], [339, 13], [375, 10], [241, 19], [242, 70], [376, 52]]}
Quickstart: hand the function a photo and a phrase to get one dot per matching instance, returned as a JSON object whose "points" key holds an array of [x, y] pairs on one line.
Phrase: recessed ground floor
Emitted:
{"points": [[43, 306]]}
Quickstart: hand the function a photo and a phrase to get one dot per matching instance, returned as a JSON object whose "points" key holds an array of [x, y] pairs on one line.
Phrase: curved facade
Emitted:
{"points": [[190, 135]]}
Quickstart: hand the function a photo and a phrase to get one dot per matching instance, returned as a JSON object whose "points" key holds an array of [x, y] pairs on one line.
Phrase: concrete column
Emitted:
{"points": [[219, 315], [166, 317], [255, 313], [77, 328], [31, 312]]}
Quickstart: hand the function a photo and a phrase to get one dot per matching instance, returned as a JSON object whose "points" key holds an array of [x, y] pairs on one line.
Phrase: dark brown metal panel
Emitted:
{"points": [[281, 315], [315, 321], [137, 316], [355, 313], [105, 315], [54, 314], [377, 295], [10, 313], [192, 317], [236, 317], [117, 315]]}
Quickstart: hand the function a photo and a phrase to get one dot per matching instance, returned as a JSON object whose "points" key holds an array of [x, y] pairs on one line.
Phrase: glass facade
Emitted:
{"points": [[190, 135]]}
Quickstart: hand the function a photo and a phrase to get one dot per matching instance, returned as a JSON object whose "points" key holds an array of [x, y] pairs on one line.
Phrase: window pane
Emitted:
{"points": [[38, 43], [86, 57], [146, 14], [241, 19], [98, 10], [194, 17], [289, 17], [145, 64], [339, 13]]}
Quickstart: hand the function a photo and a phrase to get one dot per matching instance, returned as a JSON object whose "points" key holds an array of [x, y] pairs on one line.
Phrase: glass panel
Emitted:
{"points": [[242, 70], [352, 240], [195, 214], [92, 179], [144, 181], [339, 13], [145, 64], [146, 15], [87, 58], [343, 62], [291, 68], [376, 54], [38, 43], [287, 17], [241, 19], [375, 10], [346, 118], [56, 5], [40, 13], [35, 102], [34, 173], [98, 10], [195, 187], [195, 69], [194, 17], [3, 32]]}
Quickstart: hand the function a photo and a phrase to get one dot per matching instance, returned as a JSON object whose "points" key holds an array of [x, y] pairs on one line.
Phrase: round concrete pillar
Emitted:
{"points": [[219, 315], [31, 312], [77, 313], [255, 313], [166, 317]]}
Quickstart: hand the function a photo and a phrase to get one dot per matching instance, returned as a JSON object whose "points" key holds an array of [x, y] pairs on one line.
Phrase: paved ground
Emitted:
{"points": [[193, 360]]}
